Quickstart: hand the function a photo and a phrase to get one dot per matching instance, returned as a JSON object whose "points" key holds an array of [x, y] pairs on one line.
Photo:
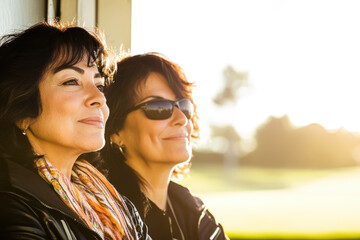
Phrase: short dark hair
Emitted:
{"points": [[24, 59], [122, 95], [133, 71]]}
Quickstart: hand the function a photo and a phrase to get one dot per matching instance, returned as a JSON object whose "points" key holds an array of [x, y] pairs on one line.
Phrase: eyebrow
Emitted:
{"points": [[77, 69]]}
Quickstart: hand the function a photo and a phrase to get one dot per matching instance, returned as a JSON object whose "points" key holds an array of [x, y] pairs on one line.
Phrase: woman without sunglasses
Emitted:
{"points": [[52, 110], [149, 133]]}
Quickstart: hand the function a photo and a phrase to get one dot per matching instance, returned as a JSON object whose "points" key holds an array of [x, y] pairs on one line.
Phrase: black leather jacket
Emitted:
{"points": [[193, 218], [193, 215], [31, 209]]}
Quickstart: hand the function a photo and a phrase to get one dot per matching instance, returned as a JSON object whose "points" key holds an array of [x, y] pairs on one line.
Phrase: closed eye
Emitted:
{"points": [[71, 82]]}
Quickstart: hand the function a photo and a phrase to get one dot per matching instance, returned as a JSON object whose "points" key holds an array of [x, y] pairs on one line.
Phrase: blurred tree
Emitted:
{"points": [[227, 131], [282, 145], [231, 151], [233, 82]]}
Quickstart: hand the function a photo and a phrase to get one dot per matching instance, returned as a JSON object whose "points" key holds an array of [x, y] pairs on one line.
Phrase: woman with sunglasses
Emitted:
{"points": [[52, 111], [149, 136]]}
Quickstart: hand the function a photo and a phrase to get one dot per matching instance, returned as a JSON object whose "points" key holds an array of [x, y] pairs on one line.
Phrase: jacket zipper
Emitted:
{"points": [[67, 231], [215, 234], [201, 216]]}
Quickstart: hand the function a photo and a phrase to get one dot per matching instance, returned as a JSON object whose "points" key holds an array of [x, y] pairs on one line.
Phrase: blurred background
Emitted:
{"points": [[277, 85]]}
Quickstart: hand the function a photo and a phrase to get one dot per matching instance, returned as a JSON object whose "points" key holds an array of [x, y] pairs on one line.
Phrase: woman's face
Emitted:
{"points": [[157, 141], [74, 111]]}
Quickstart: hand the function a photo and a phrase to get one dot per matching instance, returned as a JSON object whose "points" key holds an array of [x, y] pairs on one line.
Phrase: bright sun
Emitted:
{"points": [[302, 57]]}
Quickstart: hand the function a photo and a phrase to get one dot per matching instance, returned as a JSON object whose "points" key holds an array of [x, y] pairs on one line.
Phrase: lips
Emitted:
{"points": [[177, 137], [94, 121]]}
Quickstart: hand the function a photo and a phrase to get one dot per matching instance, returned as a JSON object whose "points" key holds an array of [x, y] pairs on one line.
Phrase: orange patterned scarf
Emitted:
{"points": [[92, 197]]}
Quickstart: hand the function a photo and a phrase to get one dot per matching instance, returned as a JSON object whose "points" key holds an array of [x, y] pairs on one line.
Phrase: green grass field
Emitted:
{"points": [[205, 178], [213, 180]]}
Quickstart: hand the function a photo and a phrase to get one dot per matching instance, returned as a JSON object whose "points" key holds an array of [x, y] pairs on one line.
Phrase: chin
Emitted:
{"points": [[181, 158], [94, 145]]}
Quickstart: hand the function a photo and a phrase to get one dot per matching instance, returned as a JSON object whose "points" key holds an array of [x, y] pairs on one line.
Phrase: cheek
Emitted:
{"points": [[143, 132], [105, 110], [131, 132], [59, 105], [158, 129], [51, 111]]}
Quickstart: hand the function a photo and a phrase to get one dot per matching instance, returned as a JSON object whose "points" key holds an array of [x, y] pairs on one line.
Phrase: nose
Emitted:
{"points": [[179, 117], [96, 98]]}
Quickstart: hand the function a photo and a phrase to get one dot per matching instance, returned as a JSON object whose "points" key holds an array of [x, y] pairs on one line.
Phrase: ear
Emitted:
{"points": [[23, 124], [116, 138]]}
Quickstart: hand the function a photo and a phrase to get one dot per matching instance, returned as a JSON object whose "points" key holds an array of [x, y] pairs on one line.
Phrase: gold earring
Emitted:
{"points": [[122, 149]]}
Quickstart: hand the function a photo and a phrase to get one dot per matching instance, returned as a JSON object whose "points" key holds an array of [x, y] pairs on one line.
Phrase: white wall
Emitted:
{"points": [[87, 12], [19, 14], [114, 17], [82, 12]]}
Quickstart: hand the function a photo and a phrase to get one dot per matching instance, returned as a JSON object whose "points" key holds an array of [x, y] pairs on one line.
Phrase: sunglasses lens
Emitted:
{"points": [[186, 107], [158, 110], [163, 109]]}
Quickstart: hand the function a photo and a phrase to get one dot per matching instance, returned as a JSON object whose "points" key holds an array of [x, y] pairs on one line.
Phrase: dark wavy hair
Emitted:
{"points": [[24, 58], [121, 96]]}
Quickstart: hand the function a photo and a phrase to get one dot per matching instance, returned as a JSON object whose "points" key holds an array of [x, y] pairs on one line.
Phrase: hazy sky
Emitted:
{"points": [[302, 57]]}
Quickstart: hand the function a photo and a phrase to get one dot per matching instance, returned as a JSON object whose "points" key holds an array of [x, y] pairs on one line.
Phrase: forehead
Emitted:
{"points": [[82, 63], [157, 85], [69, 55]]}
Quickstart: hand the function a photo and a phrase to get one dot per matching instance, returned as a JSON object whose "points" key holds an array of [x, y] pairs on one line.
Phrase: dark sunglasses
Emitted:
{"points": [[160, 109]]}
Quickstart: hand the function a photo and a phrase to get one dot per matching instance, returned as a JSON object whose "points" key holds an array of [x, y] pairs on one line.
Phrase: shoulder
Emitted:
{"points": [[19, 218], [208, 227], [30, 209], [183, 195], [23, 217]]}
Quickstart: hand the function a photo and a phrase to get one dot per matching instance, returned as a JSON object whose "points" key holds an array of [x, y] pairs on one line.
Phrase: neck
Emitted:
{"points": [[62, 159], [63, 164], [157, 177]]}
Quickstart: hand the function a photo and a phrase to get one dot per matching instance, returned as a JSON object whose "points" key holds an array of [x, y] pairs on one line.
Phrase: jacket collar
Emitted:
{"points": [[183, 196], [27, 181]]}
